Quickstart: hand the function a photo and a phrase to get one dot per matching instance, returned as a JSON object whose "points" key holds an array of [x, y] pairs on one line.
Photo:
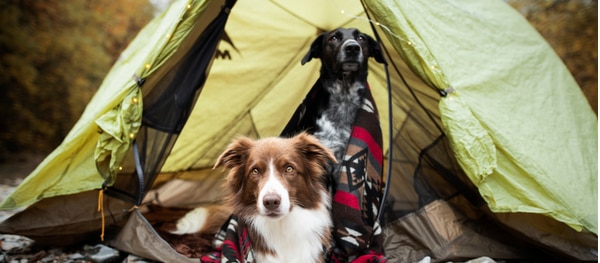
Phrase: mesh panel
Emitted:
{"points": [[424, 168], [166, 109]]}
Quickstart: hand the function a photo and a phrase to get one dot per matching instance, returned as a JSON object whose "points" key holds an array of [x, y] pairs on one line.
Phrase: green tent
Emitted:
{"points": [[490, 134]]}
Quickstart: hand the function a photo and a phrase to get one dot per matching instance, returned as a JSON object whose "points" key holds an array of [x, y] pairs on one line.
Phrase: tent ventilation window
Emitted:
{"points": [[170, 103]]}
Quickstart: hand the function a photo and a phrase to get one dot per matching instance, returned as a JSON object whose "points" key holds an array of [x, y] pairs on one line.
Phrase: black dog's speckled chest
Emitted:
{"points": [[334, 125]]}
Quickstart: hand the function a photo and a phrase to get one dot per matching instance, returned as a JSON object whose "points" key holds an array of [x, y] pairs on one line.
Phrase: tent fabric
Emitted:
{"points": [[113, 143], [511, 89], [137, 235], [72, 219], [266, 60], [552, 234], [437, 227]]}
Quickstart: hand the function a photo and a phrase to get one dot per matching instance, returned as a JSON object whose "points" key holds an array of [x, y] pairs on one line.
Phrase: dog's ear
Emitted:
{"points": [[315, 49], [233, 158], [313, 150], [375, 50], [236, 153]]}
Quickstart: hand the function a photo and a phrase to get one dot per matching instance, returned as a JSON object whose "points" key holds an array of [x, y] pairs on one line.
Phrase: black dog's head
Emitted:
{"points": [[344, 50]]}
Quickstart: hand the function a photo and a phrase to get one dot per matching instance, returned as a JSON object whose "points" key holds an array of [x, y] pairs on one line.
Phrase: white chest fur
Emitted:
{"points": [[295, 238]]}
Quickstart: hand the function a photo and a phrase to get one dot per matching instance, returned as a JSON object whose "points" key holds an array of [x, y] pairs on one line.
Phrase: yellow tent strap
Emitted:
{"points": [[101, 210]]}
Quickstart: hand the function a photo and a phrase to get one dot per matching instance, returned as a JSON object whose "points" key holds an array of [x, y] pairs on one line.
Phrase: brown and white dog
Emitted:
{"points": [[276, 186]]}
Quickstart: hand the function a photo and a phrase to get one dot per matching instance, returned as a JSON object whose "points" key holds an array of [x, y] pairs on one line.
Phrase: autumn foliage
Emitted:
{"points": [[53, 56]]}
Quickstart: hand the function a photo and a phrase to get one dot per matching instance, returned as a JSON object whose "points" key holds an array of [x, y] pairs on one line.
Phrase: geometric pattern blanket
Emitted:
{"points": [[357, 191]]}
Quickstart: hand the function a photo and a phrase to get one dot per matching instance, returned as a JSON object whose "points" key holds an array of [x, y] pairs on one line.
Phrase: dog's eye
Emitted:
{"points": [[333, 39], [289, 169], [361, 38], [255, 171]]}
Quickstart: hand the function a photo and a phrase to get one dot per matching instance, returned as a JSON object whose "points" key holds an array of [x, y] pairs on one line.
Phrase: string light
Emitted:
{"points": [[131, 135], [147, 66]]}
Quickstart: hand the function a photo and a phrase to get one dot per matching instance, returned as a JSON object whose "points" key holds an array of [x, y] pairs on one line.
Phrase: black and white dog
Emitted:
{"points": [[344, 55]]}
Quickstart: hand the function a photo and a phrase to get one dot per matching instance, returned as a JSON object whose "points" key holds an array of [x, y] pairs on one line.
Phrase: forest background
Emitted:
{"points": [[54, 55]]}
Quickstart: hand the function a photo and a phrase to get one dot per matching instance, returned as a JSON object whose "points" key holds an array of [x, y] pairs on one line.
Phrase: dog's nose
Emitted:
{"points": [[352, 49], [271, 201]]}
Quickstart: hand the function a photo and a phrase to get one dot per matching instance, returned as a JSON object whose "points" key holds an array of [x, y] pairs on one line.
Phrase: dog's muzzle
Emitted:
{"points": [[350, 55]]}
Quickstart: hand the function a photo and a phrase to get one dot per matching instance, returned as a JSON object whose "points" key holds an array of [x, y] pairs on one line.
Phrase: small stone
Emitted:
{"points": [[76, 256], [101, 254], [136, 259], [13, 243]]}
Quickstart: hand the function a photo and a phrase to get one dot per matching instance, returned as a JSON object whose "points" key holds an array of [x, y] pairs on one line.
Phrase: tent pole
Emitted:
{"points": [[390, 122], [139, 171]]}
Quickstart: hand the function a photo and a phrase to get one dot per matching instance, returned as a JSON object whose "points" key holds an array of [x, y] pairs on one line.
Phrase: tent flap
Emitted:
{"points": [[118, 128], [474, 149], [513, 94], [137, 235]]}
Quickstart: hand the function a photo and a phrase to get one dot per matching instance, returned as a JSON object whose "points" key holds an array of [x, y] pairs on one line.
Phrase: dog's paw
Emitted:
{"points": [[192, 222]]}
